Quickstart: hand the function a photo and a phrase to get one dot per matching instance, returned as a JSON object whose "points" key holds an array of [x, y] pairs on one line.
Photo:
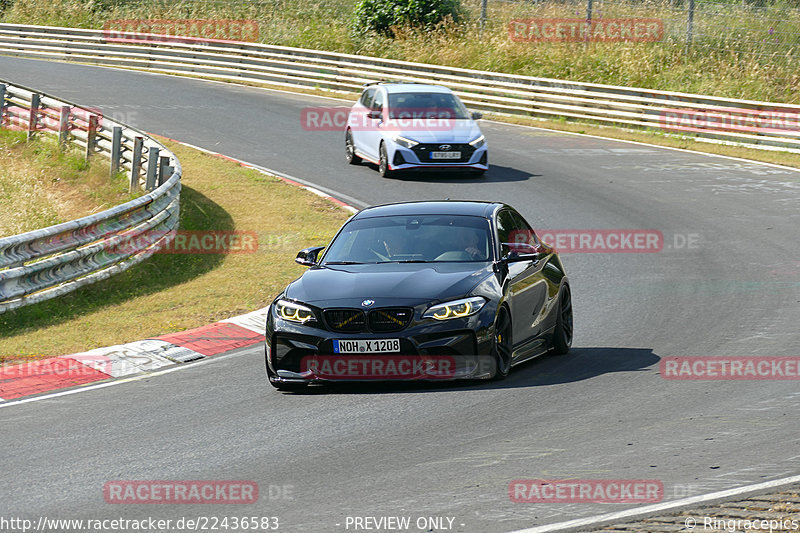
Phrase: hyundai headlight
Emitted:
{"points": [[405, 142], [455, 309], [477, 143], [293, 312]]}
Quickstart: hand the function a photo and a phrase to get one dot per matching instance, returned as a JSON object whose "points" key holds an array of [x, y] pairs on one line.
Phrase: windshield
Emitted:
{"points": [[426, 105], [413, 238]]}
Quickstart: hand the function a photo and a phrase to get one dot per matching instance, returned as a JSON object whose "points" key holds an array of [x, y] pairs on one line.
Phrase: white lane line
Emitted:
{"points": [[138, 377], [658, 507]]}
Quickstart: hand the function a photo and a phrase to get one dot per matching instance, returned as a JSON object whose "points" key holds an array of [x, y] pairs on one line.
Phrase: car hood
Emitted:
{"points": [[458, 131], [390, 283]]}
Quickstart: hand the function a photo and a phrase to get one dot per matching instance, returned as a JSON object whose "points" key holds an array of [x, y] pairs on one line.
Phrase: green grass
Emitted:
{"points": [[738, 52], [174, 292], [41, 185]]}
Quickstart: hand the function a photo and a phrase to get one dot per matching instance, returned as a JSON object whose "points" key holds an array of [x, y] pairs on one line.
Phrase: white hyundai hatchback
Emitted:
{"points": [[411, 126]]}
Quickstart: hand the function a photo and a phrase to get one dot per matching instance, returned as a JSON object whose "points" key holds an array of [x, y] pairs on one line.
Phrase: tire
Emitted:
{"points": [[350, 149], [501, 345], [383, 166], [562, 334]]}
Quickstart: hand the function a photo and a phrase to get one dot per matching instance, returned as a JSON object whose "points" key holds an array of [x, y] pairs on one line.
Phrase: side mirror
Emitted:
{"points": [[308, 256], [375, 115], [476, 115], [513, 252]]}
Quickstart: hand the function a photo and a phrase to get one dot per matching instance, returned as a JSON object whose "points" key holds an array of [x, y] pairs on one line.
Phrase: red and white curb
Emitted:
{"points": [[138, 357]]}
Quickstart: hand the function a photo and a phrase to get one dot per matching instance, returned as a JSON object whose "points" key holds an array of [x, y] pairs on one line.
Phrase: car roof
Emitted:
{"points": [[413, 88], [436, 207]]}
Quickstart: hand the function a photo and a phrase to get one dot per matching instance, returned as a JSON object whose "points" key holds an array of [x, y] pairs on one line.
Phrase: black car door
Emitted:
{"points": [[527, 288]]}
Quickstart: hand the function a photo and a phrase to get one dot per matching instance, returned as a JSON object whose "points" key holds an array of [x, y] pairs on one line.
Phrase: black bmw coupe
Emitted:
{"points": [[420, 290]]}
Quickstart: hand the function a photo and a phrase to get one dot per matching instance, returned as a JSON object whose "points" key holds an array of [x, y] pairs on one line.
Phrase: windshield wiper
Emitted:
{"points": [[343, 263], [406, 261]]}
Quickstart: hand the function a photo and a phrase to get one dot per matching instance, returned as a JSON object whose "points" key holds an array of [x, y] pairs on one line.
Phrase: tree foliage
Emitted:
{"points": [[382, 16]]}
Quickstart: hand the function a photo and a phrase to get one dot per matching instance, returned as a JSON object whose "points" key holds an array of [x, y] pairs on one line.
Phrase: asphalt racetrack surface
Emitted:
{"points": [[725, 282]]}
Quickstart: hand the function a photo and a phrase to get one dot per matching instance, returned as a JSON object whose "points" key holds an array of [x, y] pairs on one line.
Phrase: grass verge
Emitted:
{"points": [[174, 292], [41, 185]]}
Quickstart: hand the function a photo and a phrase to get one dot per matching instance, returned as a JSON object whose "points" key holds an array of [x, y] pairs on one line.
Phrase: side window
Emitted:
{"points": [[377, 104], [522, 232], [366, 98], [505, 225]]}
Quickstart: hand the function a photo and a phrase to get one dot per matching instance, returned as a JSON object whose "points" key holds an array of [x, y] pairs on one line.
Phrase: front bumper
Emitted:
{"points": [[402, 158], [295, 353]]}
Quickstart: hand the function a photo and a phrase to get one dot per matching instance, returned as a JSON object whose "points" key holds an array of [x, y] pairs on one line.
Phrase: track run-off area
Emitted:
{"points": [[725, 281]]}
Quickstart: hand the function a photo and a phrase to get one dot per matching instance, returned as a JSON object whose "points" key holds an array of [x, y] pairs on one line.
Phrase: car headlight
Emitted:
{"points": [[455, 309], [293, 312], [477, 143], [404, 142]]}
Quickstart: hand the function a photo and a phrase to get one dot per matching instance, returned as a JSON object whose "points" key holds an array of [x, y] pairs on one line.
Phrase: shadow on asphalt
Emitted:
{"points": [[495, 174], [578, 365]]}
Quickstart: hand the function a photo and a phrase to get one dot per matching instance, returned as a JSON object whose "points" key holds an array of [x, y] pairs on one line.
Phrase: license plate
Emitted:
{"points": [[445, 155], [367, 346]]}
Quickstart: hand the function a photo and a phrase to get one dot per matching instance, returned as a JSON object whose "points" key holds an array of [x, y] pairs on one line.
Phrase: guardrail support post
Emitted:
{"points": [[34, 116], [91, 136], [116, 149], [689, 25], [588, 10], [163, 169], [152, 167], [63, 126], [136, 163], [2, 104]]}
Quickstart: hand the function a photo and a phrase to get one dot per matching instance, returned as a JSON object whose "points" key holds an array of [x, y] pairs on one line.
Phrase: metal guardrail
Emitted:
{"points": [[45, 263], [721, 120]]}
